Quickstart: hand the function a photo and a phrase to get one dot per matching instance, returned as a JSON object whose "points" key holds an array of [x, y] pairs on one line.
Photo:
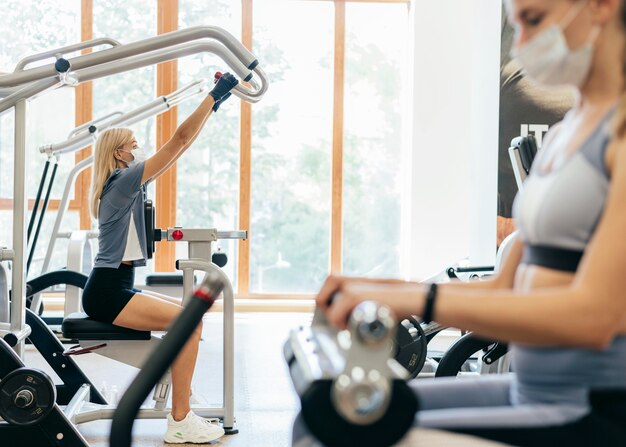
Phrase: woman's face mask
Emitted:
{"points": [[548, 60], [139, 156]]}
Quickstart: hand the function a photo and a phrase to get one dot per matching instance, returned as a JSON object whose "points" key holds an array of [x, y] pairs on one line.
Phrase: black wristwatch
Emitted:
{"points": [[429, 306]]}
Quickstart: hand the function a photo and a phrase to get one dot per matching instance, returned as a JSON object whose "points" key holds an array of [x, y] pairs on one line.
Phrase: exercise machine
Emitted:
{"points": [[16, 89], [351, 389], [413, 336], [134, 347], [522, 153], [25, 83]]}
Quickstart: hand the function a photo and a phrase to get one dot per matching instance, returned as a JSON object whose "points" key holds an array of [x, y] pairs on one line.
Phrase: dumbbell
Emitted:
{"points": [[351, 389]]}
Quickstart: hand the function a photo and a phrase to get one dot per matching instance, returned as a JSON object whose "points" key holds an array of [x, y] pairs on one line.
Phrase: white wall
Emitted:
{"points": [[451, 156]]}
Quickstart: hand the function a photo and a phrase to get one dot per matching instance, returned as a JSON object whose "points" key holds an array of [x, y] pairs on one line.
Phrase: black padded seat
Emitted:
{"points": [[78, 325]]}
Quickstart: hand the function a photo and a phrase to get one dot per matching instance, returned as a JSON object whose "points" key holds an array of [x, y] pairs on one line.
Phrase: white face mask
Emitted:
{"points": [[139, 156], [549, 61]]}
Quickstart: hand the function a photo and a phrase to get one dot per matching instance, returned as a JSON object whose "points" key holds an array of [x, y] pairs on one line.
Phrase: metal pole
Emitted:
{"points": [[198, 33], [20, 203], [33, 215], [65, 200], [44, 208], [229, 351]]}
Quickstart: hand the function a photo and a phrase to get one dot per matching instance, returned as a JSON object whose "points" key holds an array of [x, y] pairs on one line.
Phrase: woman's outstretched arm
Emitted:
{"points": [[188, 131]]}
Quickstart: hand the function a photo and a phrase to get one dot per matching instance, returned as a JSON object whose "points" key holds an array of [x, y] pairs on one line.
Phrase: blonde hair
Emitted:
{"points": [[104, 162]]}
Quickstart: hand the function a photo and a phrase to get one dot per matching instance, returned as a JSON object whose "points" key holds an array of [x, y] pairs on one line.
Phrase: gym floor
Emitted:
{"points": [[265, 403]]}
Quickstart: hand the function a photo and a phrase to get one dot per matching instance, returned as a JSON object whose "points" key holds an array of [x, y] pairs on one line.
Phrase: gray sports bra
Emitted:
{"points": [[557, 212]]}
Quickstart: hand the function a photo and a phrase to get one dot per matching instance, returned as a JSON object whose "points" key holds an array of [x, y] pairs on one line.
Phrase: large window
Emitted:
{"points": [[375, 64], [29, 27], [126, 22], [208, 174], [48, 24], [312, 171], [291, 147], [44, 127]]}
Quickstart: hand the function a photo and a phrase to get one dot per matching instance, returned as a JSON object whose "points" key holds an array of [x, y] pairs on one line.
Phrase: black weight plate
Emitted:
{"points": [[326, 424], [38, 384], [411, 346]]}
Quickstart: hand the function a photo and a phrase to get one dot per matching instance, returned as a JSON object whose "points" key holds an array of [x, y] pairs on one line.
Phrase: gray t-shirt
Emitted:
{"points": [[122, 194]]}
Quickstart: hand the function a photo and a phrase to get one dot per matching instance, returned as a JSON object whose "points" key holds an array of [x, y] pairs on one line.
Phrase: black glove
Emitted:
{"points": [[219, 102], [224, 85]]}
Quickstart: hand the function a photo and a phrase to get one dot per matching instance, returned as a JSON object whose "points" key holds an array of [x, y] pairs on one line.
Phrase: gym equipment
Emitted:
{"points": [[25, 83], [469, 273], [26, 396], [490, 355], [16, 89], [412, 337], [522, 153], [410, 347], [31, 417], [115, 342], [69, 278], [33, 216], [162, 358], [456, 360], [351, 389]]}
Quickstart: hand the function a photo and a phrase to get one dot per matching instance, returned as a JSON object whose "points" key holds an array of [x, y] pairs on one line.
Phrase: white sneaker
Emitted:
{"points": [[193, 429]]}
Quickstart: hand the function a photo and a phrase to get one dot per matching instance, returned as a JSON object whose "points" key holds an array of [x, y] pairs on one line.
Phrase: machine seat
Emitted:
{"points": [[79, 326]]}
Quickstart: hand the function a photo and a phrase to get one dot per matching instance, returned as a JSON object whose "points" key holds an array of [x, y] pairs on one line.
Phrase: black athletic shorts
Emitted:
{"points": [[107, 291]]}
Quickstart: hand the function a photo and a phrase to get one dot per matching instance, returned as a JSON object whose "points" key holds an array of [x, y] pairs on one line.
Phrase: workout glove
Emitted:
{"points": [[220, 101], [222, 89]]}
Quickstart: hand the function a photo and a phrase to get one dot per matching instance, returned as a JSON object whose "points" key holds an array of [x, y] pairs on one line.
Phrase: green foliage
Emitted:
{"points": [[126, 22], [291, 185], [48, 24], [372, 164]]}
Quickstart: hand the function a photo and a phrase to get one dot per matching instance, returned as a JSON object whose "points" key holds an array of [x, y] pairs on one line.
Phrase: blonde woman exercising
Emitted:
{"points": [[120, 175]]}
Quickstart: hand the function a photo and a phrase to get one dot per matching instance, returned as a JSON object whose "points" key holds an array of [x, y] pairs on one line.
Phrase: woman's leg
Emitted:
{"points": [[146, 312], [171, 299], [449, 403], [452, 392], [481, 407]]}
